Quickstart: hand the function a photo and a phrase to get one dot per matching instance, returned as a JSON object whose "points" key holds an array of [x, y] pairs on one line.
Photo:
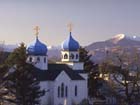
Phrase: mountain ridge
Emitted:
{"points": [[118, 40], [98, 49]]}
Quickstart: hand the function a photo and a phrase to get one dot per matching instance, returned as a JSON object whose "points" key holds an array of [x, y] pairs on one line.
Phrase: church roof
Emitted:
{"points": [[70, 44], [37, 48], [54, 70]]}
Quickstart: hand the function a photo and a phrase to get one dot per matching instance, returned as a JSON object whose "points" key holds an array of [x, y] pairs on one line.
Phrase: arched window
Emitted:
{"points": [[65, 56], [38, 59], [44, 59], [66, 91], [30, 59], [72, 56], [77, 56], [62, 90], [75, 90], [58, 91]]}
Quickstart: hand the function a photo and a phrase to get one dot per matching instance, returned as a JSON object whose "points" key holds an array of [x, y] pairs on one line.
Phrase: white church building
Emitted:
{"points": [[65, 82]]}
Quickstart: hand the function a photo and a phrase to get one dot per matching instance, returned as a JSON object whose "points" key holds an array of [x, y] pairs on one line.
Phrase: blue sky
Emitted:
{"points": [[93, 20]]}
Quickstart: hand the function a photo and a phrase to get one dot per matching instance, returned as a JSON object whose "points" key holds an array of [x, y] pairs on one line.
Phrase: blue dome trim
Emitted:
{"points": [[37, 48], [70, 44]]}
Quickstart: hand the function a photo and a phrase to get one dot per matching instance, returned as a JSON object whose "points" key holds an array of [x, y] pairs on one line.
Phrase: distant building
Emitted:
{"points": [[65, 82]]}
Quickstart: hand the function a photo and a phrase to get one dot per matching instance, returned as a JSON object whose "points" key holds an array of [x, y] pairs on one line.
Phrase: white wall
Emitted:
{"points": [[47, 99], [81, 85], [39, 64], [82, 91], [62, 78]]}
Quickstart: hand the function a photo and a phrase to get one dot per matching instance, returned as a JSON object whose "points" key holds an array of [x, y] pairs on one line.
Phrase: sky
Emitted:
{"points": [[92, 20]]}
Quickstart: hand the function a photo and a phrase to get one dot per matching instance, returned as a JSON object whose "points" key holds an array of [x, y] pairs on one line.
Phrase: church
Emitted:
{"points": [[65, 82]]}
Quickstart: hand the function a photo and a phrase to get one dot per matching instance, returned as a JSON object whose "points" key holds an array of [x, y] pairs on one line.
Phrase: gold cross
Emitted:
{"points": [[36, 30], [70, 27]]}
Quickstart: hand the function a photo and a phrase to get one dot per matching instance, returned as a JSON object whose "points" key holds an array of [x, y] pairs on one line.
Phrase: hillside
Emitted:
{"points": [[98, 49]]}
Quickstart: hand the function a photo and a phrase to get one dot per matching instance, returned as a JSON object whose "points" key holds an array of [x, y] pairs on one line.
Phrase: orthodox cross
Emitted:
{"points": [[37, 30], [70, 27]]}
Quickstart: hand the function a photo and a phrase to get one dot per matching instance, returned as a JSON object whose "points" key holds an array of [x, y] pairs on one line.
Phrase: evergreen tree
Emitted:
{"points": [[23, 87], [3, 71], [3, 90], [92, 69]]}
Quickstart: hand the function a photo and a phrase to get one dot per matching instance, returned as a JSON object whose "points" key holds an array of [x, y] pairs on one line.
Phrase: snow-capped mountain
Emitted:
{"points": [[136, 38], [118, 40], [98, 49], [120, 37]]}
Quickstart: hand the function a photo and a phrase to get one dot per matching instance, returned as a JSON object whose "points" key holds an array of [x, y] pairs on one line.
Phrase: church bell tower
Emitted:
{"points": [[37, 53], [70, 52]]}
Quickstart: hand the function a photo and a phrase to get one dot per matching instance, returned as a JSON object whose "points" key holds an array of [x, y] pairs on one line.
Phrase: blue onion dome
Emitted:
{"points": [[70, 44], [37, 48]]}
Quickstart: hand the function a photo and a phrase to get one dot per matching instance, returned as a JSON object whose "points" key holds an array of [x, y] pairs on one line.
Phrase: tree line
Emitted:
{"points": [[118, 75]]}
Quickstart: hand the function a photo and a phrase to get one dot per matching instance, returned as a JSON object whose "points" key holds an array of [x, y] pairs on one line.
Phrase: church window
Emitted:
{"points": [[66, 91], [72, 56], [77, 56], [30, 59], [75, 90], [44, 59], [62, 90], [66, 56], [58, 91], [38, 59]]}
